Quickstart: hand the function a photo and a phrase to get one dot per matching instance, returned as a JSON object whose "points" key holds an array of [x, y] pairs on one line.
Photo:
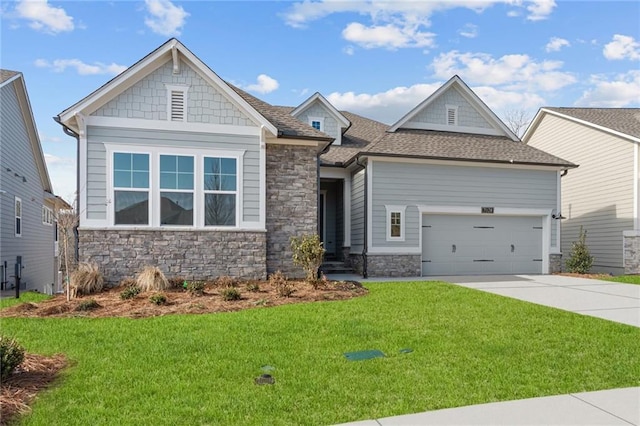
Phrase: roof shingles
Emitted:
{"points": [[623, 120]]}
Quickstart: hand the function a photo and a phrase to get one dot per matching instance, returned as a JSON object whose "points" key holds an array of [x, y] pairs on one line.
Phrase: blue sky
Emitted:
{"points": [[375, 58]]}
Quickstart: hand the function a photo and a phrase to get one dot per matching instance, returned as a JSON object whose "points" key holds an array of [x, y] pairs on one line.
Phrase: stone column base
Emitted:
{"points": [[631, 252], [555, 263]]}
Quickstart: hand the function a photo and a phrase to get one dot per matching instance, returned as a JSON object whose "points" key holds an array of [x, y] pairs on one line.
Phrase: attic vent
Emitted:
{"points": [[452, 115], [177, 101]]}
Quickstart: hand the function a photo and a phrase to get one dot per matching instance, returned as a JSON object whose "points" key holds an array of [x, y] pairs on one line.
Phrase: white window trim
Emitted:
{"points": [[395, 209], [17, 201], [210, 191], [47, 216], [318, 119], [455, 114], [154, 184], [185, 93]]}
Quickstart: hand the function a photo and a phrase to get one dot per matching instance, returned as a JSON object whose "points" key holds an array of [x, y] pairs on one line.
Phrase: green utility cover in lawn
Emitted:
{"points": [[361, 355]]}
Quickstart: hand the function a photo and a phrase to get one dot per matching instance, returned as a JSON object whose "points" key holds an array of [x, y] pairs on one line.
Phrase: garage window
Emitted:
{"points": [[395, 222]]}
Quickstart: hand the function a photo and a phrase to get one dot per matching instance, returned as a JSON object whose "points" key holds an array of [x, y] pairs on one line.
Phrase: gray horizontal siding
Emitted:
{"points": [[422, 184], [36, 244], [357, 211], [96, 161]]}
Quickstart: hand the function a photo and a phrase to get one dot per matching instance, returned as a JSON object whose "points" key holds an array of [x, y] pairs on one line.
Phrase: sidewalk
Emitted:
{"points": [[608, 407]]}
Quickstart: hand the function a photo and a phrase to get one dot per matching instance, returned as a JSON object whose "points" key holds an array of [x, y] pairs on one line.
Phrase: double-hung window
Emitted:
{"points": [[220, 191], [131, 188], [176, 190]]}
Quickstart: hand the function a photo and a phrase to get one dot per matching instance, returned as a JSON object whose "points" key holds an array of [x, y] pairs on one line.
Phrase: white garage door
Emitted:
{"points": [[471, 245]]}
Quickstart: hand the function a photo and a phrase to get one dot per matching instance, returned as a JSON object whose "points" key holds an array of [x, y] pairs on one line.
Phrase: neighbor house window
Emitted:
{"points": [[47, 216], [317, 123], [176, 185], [131, 188], [18, 212], [220, 191], [395, 223]]}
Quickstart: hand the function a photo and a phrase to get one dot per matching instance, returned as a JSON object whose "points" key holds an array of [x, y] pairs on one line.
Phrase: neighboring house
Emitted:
{"points": [[181, 169], [28, 227], [602, 196]]}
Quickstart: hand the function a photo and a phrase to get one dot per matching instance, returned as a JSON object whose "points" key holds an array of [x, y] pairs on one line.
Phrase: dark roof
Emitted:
{"points": [[460, 146], [281, 118], [6, 75], [363, 131], [623, 120]]}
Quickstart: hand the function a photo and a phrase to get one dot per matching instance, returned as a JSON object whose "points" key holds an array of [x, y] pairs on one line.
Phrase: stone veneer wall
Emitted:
{"points": [[200, 255], [631, 252], [292, 202], [394, 265], [555, 263]]}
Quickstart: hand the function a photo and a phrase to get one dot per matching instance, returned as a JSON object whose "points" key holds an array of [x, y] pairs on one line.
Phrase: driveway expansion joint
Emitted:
{"points": [[602, 409]]}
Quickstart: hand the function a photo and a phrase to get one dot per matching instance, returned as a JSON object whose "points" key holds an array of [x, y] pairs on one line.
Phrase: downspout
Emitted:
{"points": [[365, 220], [73, 134]]}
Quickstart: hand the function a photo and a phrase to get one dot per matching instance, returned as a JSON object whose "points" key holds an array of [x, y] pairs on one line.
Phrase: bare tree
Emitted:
{"points": [[517, 120], [67, 223]]}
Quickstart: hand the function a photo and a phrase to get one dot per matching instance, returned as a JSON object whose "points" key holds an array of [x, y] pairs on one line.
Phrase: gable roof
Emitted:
{"points": [[318, 97], [17, 79], [624, 122], [470, 96]]}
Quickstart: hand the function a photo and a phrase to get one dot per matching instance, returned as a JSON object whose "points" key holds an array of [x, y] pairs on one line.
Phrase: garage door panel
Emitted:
{"points": [[481, 244]]}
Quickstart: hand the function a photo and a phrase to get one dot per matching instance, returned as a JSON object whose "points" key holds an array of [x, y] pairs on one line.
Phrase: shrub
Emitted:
{"points": [[253, 287], [284, 288], [87, 305], [86, 279], [308, 253], [130, 292], [580, 260], [152, 279], [11, 356], [196, 288], [226, 281], [231, 293], [158, 299], [176, 282]]}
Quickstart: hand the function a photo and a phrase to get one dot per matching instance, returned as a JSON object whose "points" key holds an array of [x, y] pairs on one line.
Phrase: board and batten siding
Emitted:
{"points": [[357, 212], [414, 184], [598, 195], [36, 246], [96, 161]]}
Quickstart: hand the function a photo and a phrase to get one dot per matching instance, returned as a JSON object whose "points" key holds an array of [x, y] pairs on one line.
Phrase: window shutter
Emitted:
{"points": [[177, 105]]}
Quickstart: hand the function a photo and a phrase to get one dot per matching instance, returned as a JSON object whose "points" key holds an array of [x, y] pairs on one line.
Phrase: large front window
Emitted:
{"points": [[176, 185], [220, 177], [131, 188]]}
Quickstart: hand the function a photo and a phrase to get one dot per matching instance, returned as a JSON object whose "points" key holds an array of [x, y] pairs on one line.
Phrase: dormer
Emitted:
{"points": [[318, 113], [454, 107]]}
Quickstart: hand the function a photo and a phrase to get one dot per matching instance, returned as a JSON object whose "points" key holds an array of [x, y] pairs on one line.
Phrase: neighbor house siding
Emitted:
{"points": [[96, 161], [412, 185], [598, 195], [147, 99], [436, 112], [36, 243], [357, 212]]}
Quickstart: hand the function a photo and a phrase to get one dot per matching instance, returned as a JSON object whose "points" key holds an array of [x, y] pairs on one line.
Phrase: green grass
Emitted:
{"points": [[27, 296], [627, 279], [469, 347]]}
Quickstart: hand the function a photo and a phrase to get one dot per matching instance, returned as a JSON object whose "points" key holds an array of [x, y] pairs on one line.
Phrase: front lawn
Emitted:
{"points": [[626, 279], [25, 296], [469, 347]]}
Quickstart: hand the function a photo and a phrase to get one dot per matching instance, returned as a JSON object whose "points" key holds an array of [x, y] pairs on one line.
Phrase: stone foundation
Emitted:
{"points": [[555, 263], [394, 265], [199, 255], [631, 252], [356, 262]]}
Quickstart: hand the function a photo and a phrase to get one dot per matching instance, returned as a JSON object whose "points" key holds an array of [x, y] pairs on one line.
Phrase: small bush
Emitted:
{"points": [[226, 281], [130, 292], [262, 302], [11, 356], [308, 253], [580, 260], [231, 293], [253, 287], [158, 299], [86, 279], [196, 288], [152, 279], [284, 288], [87, 305], [176, 282]]}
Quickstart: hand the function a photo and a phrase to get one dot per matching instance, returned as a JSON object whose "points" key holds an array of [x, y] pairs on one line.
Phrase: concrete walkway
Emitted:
{"points": [[608, 407]]}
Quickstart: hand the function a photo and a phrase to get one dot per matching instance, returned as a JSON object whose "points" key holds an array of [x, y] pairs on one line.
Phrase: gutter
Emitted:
{"points": [[364, 214]]}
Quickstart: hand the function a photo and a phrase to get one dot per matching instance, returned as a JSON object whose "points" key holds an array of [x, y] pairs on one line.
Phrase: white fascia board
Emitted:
{"points": [[9, 80], [317, 96], [178, 126], [532, 125], [408, 116], [461, 163]]}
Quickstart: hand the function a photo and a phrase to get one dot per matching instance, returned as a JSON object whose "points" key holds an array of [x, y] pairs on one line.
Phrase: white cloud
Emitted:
{"points": [[44, 17], [622, 47], [623, 90], [540, 9], [514, 72], [469, 31], [264, 84], [556, 43], [165, 18], [60, 65], [348, 50], [387, 36], [62, 172]]}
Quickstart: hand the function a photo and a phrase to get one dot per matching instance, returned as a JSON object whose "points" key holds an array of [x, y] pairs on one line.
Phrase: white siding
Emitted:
{"points": [[598, 195]]}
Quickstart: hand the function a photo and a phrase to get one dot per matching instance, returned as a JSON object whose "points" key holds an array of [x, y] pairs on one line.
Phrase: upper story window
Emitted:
{"points": [[176, 195], [177, 103], [317, 123], [131, 188], [18, 214], [220, 191], [452, 115], [47, 216]]}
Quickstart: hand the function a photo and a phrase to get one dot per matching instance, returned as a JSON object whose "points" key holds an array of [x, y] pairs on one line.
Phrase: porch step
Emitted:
{"points": [[335, 267]]}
